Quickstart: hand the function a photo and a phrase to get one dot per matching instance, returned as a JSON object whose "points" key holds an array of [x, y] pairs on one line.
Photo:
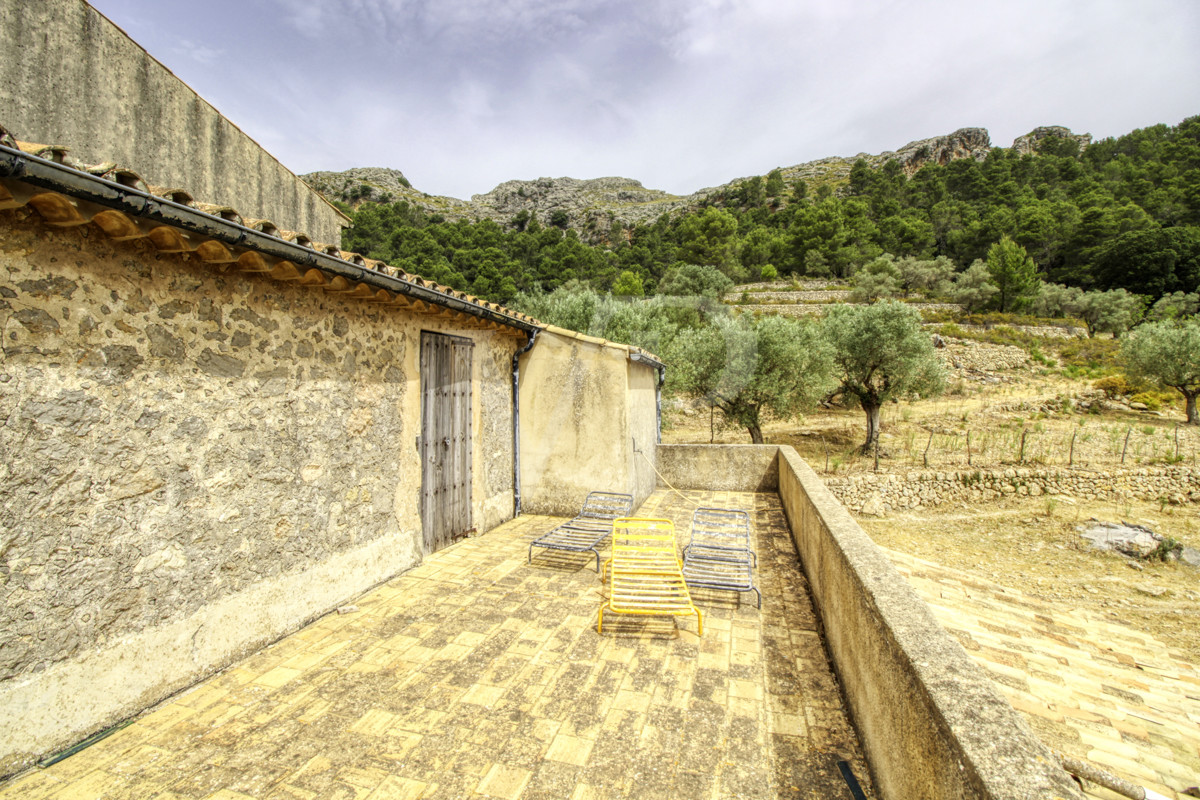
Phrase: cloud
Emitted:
{"points": [[197, 52], [463, 94]]}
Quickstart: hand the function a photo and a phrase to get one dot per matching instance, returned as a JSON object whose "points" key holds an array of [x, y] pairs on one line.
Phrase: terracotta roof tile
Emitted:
{"points": [[51, 152], [59, 209], [175, 195], [224, 212]]}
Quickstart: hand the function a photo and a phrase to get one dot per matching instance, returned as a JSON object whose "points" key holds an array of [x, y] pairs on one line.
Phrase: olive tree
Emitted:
{"points": [[880, 353], [880, 277], [750, 367], [1169, 353], [1114, 311], [973, 288]]}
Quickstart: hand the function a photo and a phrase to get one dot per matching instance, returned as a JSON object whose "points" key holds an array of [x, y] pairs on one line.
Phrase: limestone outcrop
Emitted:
{"points": [[972, 143], [1032, 142]]}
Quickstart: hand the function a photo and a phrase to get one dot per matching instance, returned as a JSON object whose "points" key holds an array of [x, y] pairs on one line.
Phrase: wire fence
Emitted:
{"points": [[1082, 446]]}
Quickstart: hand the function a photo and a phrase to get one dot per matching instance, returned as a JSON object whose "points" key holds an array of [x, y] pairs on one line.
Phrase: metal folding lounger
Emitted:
{"points": [[719, 554], [587, 531], [646, 573]]}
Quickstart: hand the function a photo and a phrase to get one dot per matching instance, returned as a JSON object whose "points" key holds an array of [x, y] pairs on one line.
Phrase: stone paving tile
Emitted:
{"points": [[1091, 688], [478, 675]]}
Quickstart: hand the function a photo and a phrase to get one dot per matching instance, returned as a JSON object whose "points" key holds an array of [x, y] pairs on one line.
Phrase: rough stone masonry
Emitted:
{"points": [[193, 462]]}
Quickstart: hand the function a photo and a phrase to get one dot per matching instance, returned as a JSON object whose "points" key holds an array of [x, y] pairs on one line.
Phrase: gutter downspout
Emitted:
{"points": [[654, 363], [662, 378], [516, 420]]}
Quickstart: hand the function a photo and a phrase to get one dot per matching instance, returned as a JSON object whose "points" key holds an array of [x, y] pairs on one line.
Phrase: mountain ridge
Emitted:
{"points": [[593, 205]]}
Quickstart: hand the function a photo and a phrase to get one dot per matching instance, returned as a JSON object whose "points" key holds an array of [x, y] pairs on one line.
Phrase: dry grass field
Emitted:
{"points": [[1028, 543]]}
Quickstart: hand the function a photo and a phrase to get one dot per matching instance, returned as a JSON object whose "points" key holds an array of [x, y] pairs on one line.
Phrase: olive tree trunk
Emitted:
{"points": [[872, 411], [1190, 408]]}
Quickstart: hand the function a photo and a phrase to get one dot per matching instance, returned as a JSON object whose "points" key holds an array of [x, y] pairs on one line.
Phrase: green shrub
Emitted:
{"points": [[1151, 399], [1114, 386]]}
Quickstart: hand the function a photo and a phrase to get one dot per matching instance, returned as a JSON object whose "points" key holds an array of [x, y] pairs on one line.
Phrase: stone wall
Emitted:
{"points": [[1044, 331], [809, 309], [878, 494], [825, 296], [195, 462], [70, 77]]}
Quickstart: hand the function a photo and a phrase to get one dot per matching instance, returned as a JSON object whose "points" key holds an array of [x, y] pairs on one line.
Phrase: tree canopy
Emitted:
{"points": [[1168, 352], [880, 353], [1124, 213], [751, 367]]}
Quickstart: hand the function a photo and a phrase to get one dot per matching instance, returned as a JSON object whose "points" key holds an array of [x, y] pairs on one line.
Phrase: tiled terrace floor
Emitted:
{"points": [[1092, 688], [478, 675]]}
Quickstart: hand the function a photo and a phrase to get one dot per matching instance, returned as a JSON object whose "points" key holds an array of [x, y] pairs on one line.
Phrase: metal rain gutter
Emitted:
{"points": [[21, 166]]}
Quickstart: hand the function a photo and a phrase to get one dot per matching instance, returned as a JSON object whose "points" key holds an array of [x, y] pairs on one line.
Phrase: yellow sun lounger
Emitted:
{"points": [[646, 574]]}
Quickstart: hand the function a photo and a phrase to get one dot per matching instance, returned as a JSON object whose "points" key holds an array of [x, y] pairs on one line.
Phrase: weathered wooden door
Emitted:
{"points": [[445, 438]]}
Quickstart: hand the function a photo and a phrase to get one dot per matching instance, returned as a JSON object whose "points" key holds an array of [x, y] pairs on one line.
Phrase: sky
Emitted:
{"points": [[462, 95]]}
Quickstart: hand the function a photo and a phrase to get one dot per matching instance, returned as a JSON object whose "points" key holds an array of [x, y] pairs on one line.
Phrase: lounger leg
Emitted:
{"points": [[530, 560], [699, 623], [597, 552], [600, 620], [757, 592]]}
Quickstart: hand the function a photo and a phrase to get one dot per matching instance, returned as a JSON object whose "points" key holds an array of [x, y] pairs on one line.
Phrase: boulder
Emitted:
{"points": [[1137, 541]]}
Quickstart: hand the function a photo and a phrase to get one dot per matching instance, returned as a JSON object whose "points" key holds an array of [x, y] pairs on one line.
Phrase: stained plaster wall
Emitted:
{"points": [[192, 463], [71, 77], [584, 404]]}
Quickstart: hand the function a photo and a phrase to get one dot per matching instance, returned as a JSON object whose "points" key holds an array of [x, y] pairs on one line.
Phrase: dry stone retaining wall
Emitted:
{"points": [[878, 494], [807, 309], [829, 296]]}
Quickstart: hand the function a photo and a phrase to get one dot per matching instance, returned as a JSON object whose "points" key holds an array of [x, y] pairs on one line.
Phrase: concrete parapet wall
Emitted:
{"points": [[725, 468], [71, 77], [931, 723]]}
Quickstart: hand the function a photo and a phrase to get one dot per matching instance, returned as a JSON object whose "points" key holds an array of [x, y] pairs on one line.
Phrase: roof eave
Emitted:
{"points": [[35, 171]]}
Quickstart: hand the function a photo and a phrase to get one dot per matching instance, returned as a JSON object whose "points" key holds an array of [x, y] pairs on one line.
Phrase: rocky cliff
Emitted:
{"points": [[593, 206], [1033, 141]]}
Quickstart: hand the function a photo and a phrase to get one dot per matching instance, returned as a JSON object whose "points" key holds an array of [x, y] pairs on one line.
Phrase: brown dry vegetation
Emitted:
{"points": [[1028, 543]]}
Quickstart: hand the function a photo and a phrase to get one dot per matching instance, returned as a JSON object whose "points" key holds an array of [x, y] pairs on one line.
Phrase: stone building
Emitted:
{"points": [[216, 432], [218, 428]]}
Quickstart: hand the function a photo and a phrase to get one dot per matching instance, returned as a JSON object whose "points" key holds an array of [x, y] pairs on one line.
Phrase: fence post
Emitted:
{"points": [[925, 455], [825, 444], [1021, 457], [1071, 458], [1126, 445], [968, 448]]}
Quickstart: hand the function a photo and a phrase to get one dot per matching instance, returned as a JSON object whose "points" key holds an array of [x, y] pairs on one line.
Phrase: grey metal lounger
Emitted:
{"points": [[719, 554], [587, 531]]}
